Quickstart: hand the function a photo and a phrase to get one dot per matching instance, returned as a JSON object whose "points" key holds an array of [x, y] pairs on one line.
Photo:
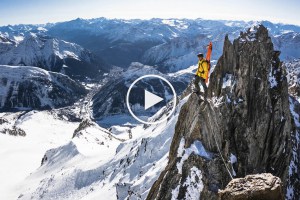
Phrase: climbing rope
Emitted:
{"points": [[220, 152], [222, 157]]}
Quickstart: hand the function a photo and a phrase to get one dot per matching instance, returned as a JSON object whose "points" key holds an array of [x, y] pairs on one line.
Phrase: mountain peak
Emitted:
{"points": [[256, 31], [240, 119]]}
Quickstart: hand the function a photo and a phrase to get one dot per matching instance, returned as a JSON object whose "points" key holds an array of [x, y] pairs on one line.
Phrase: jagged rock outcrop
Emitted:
{"points": [[84, 124], [259, 187], [247, 116], [293, 76], [14, 131]]}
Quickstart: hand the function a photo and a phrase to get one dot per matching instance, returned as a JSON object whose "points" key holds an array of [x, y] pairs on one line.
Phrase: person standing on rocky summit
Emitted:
{"points": [[201, 75]]}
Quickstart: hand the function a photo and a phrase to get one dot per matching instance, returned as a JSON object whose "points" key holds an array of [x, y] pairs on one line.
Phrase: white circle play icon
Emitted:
{"points": [[151, 99]]}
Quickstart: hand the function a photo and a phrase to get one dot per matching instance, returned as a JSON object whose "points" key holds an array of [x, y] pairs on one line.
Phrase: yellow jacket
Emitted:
{"points": [[202, 70]]}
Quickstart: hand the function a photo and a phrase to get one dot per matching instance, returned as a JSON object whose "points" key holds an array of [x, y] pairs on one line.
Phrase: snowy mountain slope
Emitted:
{"points": [[24, 87], [21, 30], [118, 42], [48, 53], [293, 76], [154, 41], [179, 53], [6, 44], [288, 42], [128, 40], [96, 165], [22, 155]]}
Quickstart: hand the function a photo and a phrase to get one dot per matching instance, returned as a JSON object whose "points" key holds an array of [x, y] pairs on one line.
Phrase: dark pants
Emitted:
{"points": [[202, 81]]}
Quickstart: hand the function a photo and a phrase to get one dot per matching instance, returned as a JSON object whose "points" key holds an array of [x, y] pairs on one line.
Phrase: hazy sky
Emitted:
{"points": [[42, 11]]}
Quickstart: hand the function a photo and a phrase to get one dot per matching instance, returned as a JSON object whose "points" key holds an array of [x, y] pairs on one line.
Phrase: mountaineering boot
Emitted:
{"points": [[196, 92]]}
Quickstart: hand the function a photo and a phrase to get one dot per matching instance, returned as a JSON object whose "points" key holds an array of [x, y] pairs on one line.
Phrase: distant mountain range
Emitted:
{"points": [[52, 54], [169, 44]]}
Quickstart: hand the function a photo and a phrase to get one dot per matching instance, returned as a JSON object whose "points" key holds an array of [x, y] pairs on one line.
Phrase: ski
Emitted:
{"points": [[208, 56]]}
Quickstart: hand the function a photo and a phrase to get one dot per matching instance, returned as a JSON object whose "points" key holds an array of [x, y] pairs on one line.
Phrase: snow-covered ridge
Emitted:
{"points": [[100, 24], [93, 165], [36, 50], [169, 43], [49, 53], [136, 70]]}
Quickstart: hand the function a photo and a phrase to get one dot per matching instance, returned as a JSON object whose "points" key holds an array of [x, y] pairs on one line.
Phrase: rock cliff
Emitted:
{"points": [[247, 119]]}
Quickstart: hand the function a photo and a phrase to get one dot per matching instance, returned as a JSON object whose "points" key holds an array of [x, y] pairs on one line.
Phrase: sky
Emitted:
{"points": [[43, 11]]}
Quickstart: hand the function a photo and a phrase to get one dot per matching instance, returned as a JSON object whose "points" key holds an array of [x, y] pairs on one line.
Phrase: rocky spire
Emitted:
{"points": [[247, 117]]}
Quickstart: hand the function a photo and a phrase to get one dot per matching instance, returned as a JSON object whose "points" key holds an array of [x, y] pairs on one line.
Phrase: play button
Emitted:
{"points": [[144, 105], [151, 99]]}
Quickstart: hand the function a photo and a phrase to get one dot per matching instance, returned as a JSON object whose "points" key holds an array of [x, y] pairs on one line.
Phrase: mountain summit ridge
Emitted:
{"points": [[248, 116]]}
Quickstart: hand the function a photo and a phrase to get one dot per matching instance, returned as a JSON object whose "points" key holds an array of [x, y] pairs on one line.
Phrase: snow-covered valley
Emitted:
{"points": [[82, 161]]}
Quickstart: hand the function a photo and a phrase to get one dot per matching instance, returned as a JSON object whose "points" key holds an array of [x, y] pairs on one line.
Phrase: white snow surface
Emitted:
{"points": [[21, 156], [272, 80], [233, 160], [228, 81], [184, 153], [175, 193], [94, 164], [194, 184]]}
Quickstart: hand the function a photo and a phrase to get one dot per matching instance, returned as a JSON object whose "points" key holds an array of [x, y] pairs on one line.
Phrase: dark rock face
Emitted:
{"points": [[83, 125], [247, 115], [258, 187], [14, 131]]}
